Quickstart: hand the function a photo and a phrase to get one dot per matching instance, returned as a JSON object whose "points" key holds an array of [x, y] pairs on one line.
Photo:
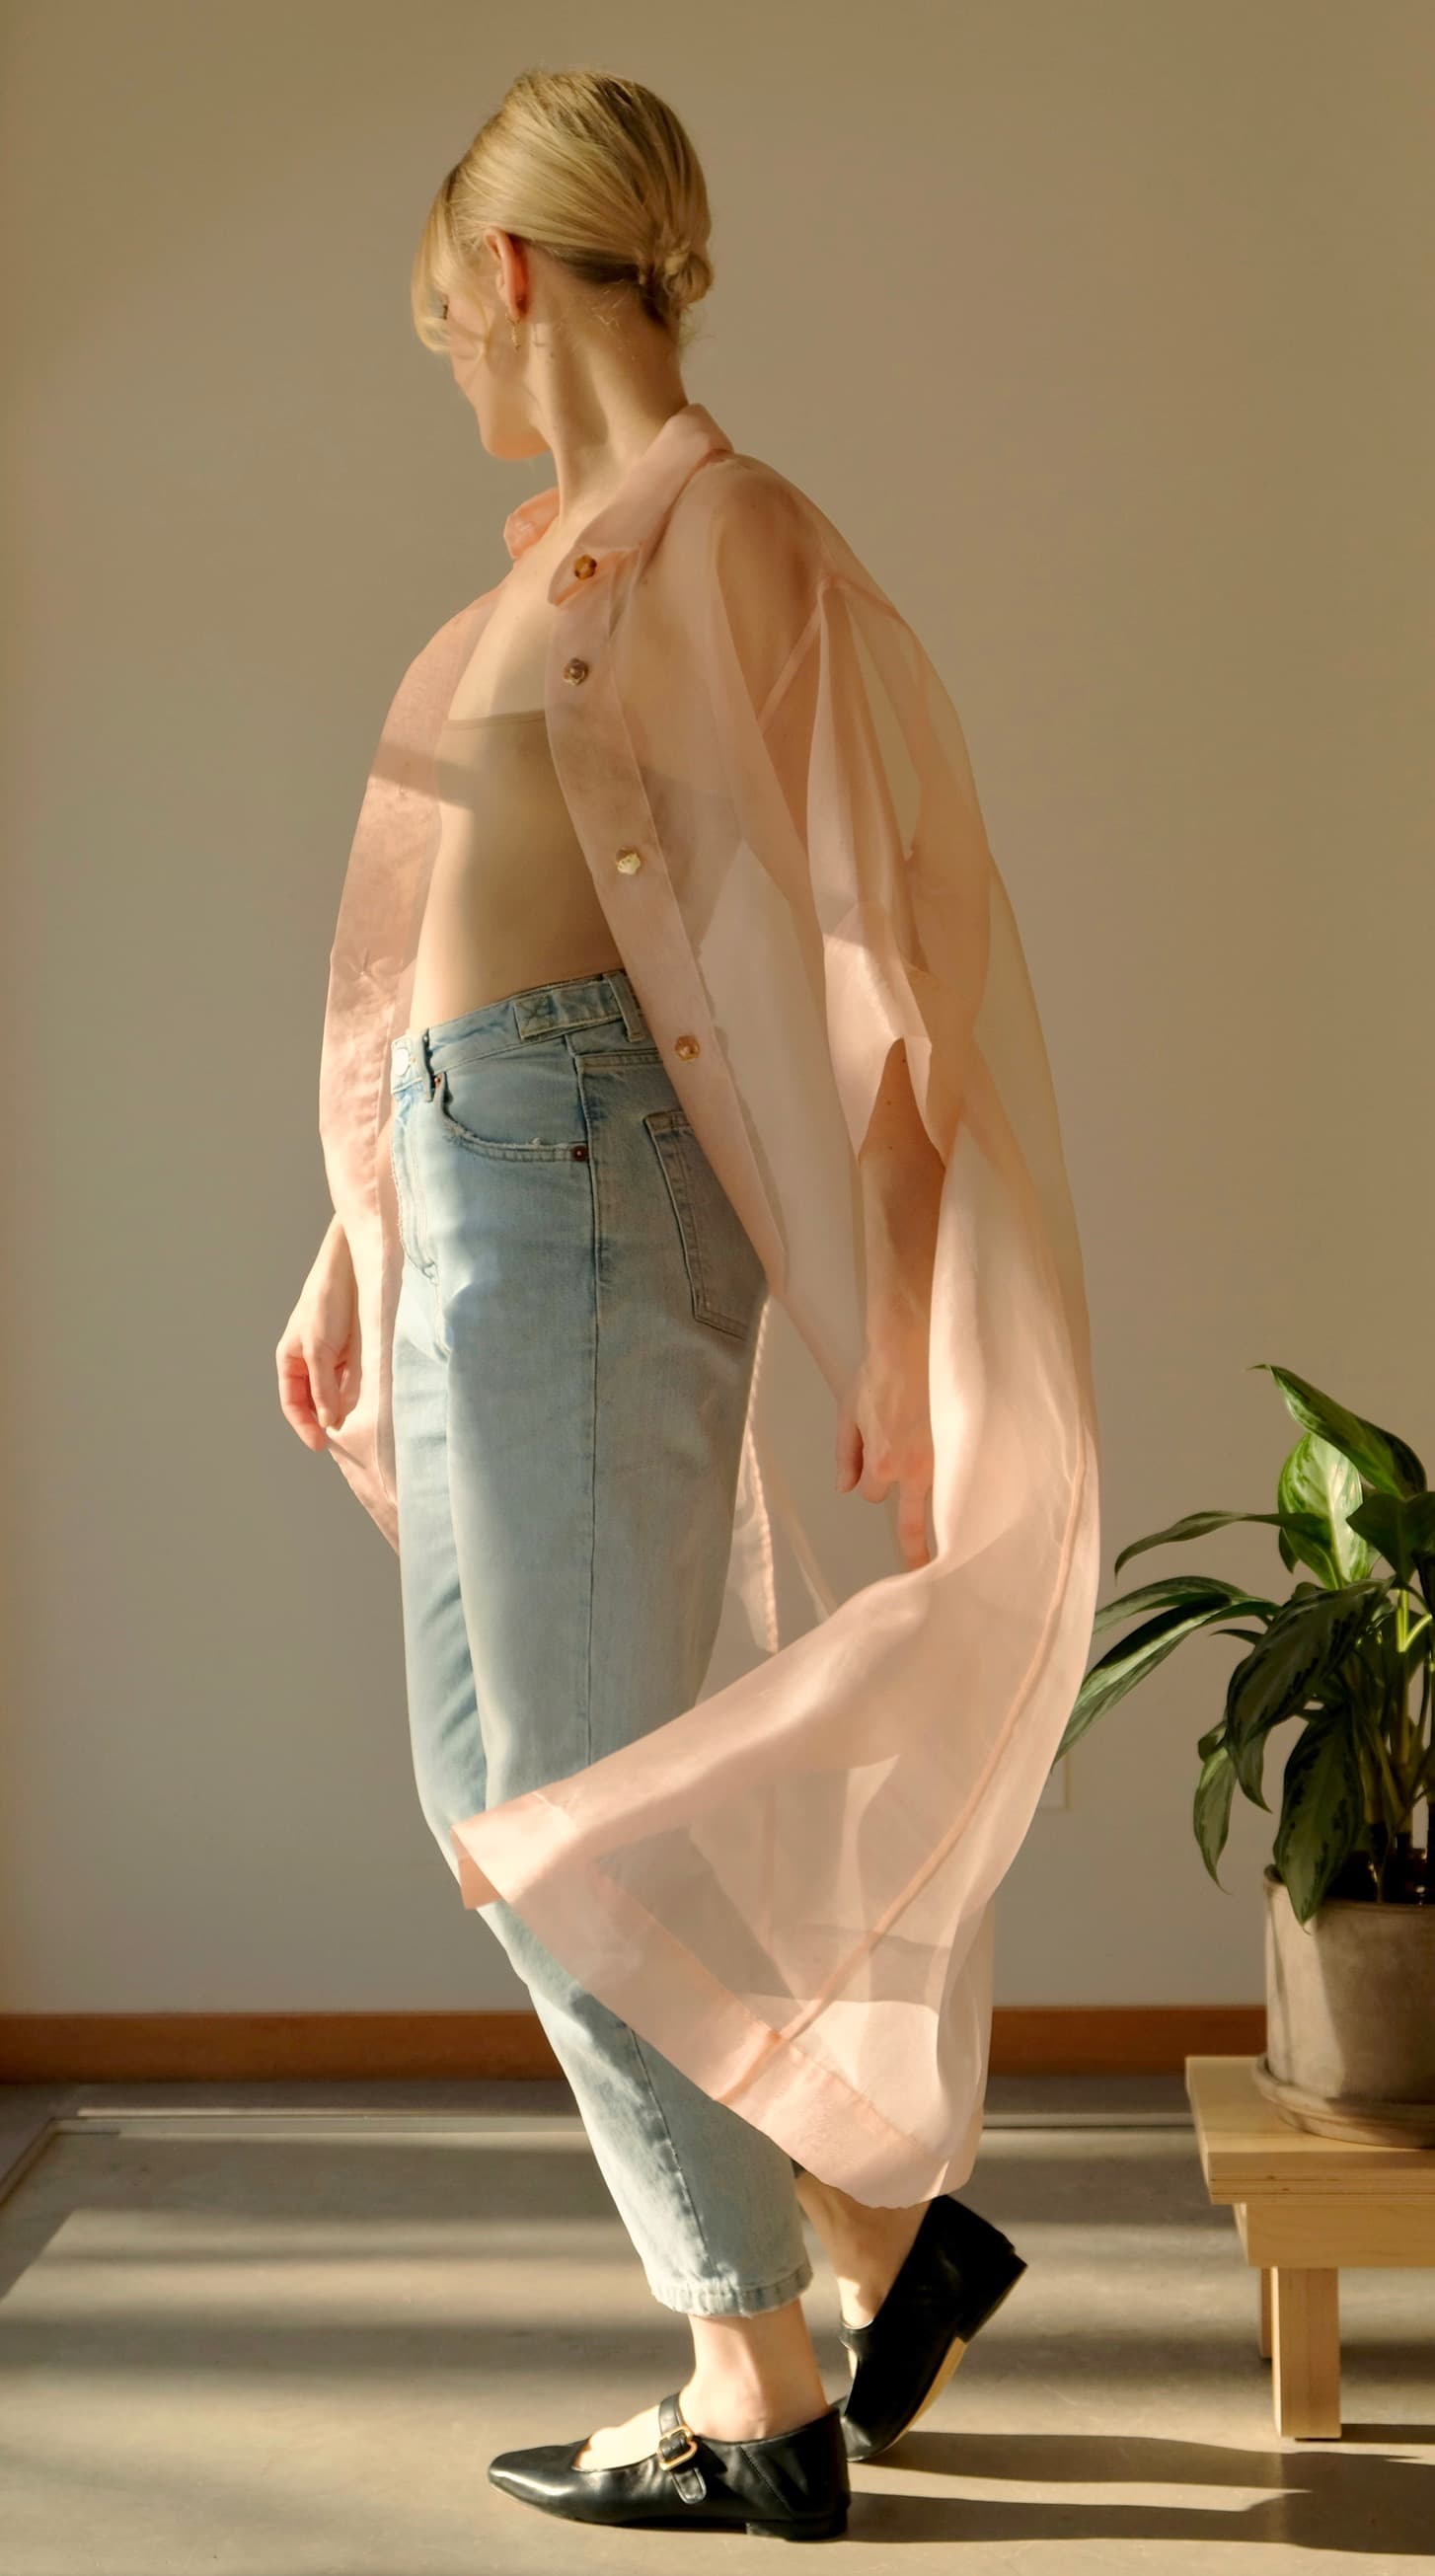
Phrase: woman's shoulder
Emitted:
{"points": [[740, 499], [755, 525]]}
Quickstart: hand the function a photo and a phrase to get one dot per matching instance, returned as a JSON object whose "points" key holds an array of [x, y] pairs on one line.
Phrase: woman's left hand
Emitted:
{"points": [[884, 1425]]}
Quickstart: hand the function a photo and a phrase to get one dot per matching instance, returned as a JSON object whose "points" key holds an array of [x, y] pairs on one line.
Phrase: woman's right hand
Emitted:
{"points": [[318, 1353]]}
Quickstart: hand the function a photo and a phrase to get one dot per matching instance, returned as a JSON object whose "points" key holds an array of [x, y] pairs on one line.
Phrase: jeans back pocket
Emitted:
{"points": [[725, 1276]]}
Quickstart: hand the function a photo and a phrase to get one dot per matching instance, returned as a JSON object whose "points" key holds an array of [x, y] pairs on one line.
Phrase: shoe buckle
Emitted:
{"points": [[677, 2446]]}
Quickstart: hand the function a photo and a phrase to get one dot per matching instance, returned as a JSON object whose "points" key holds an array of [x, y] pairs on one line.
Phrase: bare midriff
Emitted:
{"points": [[511, 901]]}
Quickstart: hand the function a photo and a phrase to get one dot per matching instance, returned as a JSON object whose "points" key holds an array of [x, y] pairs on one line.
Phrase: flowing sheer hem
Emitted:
{"points": [[528, 1853]]}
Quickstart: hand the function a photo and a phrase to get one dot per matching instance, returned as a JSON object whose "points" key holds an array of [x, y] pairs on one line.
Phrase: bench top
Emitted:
{"points": [[1247, 2149]]}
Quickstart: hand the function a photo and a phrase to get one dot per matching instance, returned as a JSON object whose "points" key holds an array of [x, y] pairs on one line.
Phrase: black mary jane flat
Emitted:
{"points": [[956, 2275], [791, 2486]]}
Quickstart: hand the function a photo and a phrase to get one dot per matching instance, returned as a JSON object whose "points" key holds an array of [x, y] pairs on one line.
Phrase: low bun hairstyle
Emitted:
{"points": [[594, 169]]}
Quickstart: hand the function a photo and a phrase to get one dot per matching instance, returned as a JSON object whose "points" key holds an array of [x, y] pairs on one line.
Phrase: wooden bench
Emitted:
{"points": [[1304, 2205]]}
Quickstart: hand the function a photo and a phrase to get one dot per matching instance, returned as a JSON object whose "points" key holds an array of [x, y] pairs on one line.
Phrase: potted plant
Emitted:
{"points": [[1347, 1655]]}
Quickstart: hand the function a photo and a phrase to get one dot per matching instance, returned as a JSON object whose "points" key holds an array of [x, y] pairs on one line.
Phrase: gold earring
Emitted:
{"points": [[513, 331]]}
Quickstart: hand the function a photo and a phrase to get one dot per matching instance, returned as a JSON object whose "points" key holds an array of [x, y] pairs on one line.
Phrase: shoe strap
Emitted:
{"points": [[678, 2450]]}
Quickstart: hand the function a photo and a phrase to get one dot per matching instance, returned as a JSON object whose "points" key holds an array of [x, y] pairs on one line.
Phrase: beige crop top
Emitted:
{"points": [[511, 901]]}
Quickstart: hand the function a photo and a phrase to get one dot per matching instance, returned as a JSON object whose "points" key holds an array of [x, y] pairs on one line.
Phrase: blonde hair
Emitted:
{"points": [[594, 169]]}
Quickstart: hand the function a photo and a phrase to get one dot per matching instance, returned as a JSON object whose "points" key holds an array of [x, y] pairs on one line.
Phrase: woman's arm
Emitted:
{"points": [[901, 1174], [884, 1434]]}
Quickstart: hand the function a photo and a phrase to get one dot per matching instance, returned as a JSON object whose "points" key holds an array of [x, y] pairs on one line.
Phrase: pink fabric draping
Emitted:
{"points": [[788, 1887]]}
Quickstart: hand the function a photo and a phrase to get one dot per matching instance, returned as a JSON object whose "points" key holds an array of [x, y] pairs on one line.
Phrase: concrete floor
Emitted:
{"points": [[280, 2330]]}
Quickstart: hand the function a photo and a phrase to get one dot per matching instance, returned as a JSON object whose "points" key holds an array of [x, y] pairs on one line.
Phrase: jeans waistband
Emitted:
{"points": [[538, 1011]]}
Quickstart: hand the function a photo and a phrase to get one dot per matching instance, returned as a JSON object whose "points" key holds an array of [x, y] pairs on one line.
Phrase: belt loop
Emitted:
{"points": [[430, 1077], [632, 1009]]}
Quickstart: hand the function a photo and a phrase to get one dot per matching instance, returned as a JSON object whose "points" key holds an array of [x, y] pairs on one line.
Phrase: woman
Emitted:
{"points": [[682, 1093]]}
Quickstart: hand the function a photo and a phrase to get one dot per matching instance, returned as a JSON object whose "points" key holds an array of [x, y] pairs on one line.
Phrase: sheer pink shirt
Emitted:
{"points": [[788, 1887]]}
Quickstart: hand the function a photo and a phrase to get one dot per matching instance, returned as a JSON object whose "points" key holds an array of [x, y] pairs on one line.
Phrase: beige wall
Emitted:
{"points": [[1095, 328]]}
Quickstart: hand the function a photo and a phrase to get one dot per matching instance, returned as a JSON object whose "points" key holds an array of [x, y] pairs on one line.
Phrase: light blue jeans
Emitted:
{"points": [[572, 1355]]}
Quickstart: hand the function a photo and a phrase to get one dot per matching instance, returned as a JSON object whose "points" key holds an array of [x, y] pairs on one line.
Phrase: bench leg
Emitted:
{"points": [[1305, 2350], [1263, 2330]]}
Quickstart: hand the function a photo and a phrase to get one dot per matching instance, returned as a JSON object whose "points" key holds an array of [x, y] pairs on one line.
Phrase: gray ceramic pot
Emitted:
{"points": [[1350, 2018]]}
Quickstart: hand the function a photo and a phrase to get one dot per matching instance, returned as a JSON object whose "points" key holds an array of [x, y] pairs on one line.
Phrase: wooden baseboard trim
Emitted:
{"points": [[343, 2047], [1120, 2039]]}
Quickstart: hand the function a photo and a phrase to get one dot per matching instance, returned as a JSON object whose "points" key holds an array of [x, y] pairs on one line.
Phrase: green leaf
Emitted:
{"points": [[1128, 1662], [1211, 1813], [1318, 1483], [1199, 1524], [1321, 1813], [1305, 1642], [1382, 1459], [1190, 1590], [1402, 1528]]}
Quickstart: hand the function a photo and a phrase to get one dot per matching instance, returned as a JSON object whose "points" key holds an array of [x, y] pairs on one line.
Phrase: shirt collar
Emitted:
{"points": [[640, 504]]}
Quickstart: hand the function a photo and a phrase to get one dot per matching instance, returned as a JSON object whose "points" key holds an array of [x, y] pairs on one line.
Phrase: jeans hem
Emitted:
{"points": [[730, 2298]]}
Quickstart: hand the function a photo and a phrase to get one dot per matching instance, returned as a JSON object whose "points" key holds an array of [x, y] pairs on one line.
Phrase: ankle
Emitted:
{"points": [[732, 2408], [866, 2245], [753, 2376]]}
